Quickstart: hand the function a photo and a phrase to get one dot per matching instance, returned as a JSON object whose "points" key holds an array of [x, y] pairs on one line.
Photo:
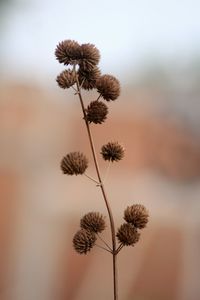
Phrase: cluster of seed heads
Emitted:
{"points": [[136, 217], [83, 73], [82, 61], [91, 224]]}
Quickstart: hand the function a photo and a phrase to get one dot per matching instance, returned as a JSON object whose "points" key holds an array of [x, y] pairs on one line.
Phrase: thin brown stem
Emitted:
{"points": [[98, 97], [103, 248], [112, 226], [104, 242], [74, 89], [82, 83], [107, 171], [119, 248], [86, 175]]}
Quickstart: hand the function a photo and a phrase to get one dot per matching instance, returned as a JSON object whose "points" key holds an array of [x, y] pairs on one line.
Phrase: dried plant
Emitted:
{"points": [[83, 73]]}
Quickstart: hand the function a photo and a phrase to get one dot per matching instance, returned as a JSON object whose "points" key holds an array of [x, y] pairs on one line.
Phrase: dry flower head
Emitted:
{"points": [[83, 241], [112, 151], [66, 79], [88, 78], [89, 56], [68, 52], [137, 215], [93, 221], [74, 163], [96, 112], [128, 235], [108, 86]]}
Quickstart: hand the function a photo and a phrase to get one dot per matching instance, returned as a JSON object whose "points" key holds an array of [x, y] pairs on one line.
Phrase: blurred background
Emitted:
{"points": [[153, 48]]}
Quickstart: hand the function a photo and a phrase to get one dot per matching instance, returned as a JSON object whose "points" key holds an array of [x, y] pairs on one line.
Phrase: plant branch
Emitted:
{"points": [[103, 248], [74, 89], [119, 248], [91, 178], [112, 226], [107, 171], [98, 97], [104, 242]]}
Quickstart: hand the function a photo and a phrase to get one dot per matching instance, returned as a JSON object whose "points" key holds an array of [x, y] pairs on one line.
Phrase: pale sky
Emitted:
{"points": [[126, 32]]}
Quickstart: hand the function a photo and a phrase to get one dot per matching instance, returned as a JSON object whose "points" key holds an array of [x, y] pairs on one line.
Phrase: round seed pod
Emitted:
{"points": [[128, 235], [66, 79], [89, 56], [108, 86], [88, 78], [83, 241], [112, 151], [96, 112], [68, 52], [74, 163], [93, 221], [136, 215]]}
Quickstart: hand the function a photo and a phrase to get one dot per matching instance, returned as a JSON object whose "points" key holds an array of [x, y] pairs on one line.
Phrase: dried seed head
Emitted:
{"points": [[74, 163], [89, 57], [108, 86], [128, 235], [87, 79], [112, 151], [68, 52], [93, 221], [83, 241], [96, 112], [66, 79], [137, 215]]}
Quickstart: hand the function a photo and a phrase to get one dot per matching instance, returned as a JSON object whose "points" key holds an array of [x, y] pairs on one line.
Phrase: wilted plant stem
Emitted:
{"points": [[112, 226]]}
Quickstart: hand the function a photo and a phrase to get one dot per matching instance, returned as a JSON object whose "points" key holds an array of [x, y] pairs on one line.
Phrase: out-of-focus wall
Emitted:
{"points": [[43, 207]]}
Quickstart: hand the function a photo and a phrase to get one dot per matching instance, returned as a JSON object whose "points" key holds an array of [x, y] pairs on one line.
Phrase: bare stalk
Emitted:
{"points": [[107, 171], [98, 97], [103, 248], [104, 242], [91, 178], [112, 226], [119, 248]]}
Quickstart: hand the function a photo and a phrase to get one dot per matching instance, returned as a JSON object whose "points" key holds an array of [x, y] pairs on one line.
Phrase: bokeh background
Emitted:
{"points": [[153, 48]]}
